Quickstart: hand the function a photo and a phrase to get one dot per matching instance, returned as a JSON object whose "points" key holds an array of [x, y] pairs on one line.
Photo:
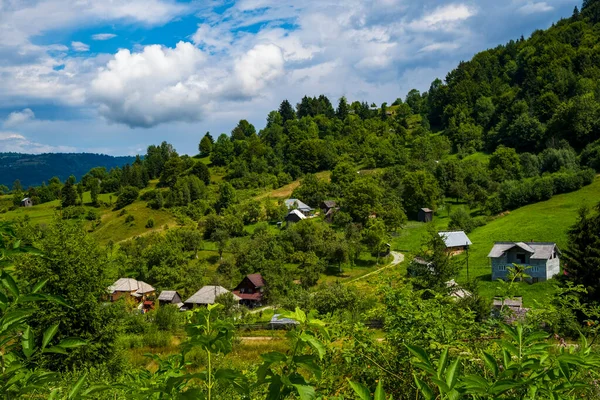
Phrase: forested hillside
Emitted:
{"points": [[167, 277], [33, 169]]}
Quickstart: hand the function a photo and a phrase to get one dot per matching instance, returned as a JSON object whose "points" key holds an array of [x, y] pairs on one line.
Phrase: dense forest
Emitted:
{"points": [[514, 126], [33, 169]]}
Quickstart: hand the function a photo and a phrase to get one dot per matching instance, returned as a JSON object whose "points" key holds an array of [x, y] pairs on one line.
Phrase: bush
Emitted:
{"points": [[128, 195], [150, 223], [91, 215], [168, 318], [73, 212], [461, 220], [123, 212], [130, 218]]}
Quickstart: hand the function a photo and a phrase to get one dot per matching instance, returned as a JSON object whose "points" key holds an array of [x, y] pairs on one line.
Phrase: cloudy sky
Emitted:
{"points": [[113, 76]]}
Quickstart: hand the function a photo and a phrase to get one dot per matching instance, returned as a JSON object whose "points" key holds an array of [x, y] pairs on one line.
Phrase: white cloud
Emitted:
{"points": [[80, 46], [103, 36], [444, 17], [533, 8], [440, 46], [17, 143], [19, 117]]}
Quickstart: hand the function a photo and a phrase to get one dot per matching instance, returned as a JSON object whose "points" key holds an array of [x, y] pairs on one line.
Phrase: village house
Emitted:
{"points": [[425, 215], [250, 290], [455, 241], [130, 289], [295, 216], [541, 259], [207, 295], [296, 204], [328, 208], [26, 202], [170, 297]]}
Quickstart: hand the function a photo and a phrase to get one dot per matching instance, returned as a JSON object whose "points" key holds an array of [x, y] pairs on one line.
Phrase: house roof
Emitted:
{"points": [[130, 285], [256, 279], [329, 203], [514, 302], [298, 213], [290, 203], [427, 210], [248, 296], [455, 239], [278, 320], [25, 199], [167, 295], [538, 250], [208, 294]]}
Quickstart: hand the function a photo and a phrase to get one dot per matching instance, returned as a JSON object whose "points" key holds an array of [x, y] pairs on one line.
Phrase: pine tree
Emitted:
{"points": [[68, 194], [287, 111], [205, 146], [342, 109], [582, 256]]}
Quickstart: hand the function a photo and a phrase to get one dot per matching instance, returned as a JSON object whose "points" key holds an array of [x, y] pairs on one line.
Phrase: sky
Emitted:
{"points": [[114, 76]]}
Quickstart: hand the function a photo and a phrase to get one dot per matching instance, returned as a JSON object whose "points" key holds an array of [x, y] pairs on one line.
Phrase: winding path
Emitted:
{"points": [[398, 258]]}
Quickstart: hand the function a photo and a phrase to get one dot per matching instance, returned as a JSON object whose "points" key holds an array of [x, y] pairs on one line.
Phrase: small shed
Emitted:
{"points": [[279, 322], [295, 216], [26, 202], [455, 240], [327, 205], [169, 297], [425, 215]]}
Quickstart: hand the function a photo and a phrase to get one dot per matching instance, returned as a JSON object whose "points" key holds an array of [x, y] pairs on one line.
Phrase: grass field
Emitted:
{"points": [[547, 221]]}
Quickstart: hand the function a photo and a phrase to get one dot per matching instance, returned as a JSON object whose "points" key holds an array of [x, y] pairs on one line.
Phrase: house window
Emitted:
{"points": [[521, 258], [535, 269], [501, 268]]}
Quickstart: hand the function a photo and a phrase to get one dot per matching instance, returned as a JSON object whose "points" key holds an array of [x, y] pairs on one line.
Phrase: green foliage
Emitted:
{"points": [[150, 223], [205, 146], [128, 195]]}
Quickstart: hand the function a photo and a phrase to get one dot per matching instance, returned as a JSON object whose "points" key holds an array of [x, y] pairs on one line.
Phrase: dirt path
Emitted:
{"points": [[398, 258]]}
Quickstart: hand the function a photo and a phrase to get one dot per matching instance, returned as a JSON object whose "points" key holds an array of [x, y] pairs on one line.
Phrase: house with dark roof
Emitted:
{"points": [[170, 297], [541, 259], [295, 204], [455, 240], [250, 290], [207, 295], [130, 288]]}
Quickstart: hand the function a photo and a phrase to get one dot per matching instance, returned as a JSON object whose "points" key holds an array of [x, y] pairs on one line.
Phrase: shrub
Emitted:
{"points": [[91, 215], [168, 318], [150, 223], [128, 195], [73, 212], [123, 212], [461, 220], [130, 218]]}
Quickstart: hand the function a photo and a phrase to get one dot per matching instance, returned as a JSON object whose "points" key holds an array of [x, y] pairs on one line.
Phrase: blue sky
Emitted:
{"points": [[114, 76]]}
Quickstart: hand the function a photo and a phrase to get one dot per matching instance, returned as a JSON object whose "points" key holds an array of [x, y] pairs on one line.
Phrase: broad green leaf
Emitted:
{"points": [[69, 343], [379, 392], [442, 362], [452, 374], [49, 334], [306, 392], [314, 343], [361, 390], [27, 342], [77, 388], [419, 353], [491, 363], [55, 349], [10, 284], [425, 389]]}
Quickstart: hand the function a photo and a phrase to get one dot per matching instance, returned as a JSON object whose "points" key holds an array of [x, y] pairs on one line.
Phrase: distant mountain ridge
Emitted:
{"points": [[33, 169]]}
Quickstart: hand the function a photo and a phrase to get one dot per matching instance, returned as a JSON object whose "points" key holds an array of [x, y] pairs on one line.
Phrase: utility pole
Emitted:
{"points": [[467, 246]]}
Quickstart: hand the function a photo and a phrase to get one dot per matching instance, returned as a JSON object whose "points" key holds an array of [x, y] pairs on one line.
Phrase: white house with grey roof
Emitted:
{"points": [[295, 204], [207, 295], [128, 287], [455, 240], [542, 259]]}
